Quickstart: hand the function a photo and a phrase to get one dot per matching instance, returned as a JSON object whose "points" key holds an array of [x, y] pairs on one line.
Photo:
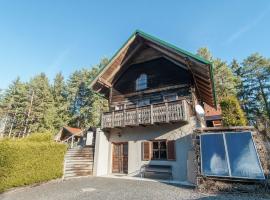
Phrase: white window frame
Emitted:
{"points": [[141, 82]]}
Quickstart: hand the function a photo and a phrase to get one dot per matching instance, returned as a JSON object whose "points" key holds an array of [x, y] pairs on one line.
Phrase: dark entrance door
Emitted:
{"points": [[120, 158]]}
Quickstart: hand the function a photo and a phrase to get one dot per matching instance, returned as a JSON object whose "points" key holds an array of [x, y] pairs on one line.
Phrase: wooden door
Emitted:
{"points": [[120, 158]]}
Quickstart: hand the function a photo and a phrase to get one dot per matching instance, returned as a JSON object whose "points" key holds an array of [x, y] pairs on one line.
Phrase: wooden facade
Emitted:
{"points": [[174, 81]]}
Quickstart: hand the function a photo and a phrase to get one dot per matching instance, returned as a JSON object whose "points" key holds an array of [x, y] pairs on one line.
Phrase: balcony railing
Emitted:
{"points": [[155, 113]]}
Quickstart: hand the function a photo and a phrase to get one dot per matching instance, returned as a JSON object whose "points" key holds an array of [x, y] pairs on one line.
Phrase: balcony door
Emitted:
{"points": [[120, 158]]}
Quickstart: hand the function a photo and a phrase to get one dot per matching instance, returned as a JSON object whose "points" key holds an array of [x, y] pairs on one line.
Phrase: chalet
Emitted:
{"points": [[152, 88]]}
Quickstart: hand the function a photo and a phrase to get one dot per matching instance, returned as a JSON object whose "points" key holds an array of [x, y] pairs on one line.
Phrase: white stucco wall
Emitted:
{"points": [[101, 157], [181, 133]]}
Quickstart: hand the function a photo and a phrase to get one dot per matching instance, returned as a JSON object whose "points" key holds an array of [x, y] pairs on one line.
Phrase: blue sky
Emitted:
{"points": [[52, 35]]}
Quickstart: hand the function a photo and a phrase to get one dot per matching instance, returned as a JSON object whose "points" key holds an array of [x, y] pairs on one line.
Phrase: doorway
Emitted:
{"points": [[120, 158]]}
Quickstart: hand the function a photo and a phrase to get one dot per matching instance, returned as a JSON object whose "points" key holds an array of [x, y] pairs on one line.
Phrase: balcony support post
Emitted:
{"points": [[112, 119], [137, 117], [151, 114], [124, 118], [167, 112]]}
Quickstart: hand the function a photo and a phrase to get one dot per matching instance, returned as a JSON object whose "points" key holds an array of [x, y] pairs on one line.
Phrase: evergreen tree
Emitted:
{"points": [[255, 79], [225, 81], [42, 109], [85, 105], [60, 97], [232, 114], [13, 106]]}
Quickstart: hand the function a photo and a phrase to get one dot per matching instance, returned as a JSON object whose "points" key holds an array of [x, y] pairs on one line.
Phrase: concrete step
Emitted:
{"points": [[78, 174], [79, 162], [78, 153], [78, 157], [68, 169], [78, 167]]}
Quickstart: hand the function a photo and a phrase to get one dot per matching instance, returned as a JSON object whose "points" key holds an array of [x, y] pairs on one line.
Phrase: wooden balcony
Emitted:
{"points": [[169, 112]]}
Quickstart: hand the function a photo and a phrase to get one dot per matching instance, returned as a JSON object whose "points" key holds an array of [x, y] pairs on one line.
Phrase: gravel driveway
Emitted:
{"points": [[108, 188]]}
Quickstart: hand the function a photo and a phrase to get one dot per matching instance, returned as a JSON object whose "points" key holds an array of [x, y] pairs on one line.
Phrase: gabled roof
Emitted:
{"points": [[201, 69], [73, 131]]}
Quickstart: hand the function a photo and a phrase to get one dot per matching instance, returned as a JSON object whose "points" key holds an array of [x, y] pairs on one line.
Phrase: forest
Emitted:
{"points": [[38, 105]]}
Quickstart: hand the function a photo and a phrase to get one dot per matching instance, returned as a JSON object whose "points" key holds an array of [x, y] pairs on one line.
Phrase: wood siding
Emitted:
{"points": [[164, 78], [161, 72]]}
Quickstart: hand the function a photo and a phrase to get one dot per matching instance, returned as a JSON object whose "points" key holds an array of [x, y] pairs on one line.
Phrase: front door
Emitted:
{"points": [[120, 158]]}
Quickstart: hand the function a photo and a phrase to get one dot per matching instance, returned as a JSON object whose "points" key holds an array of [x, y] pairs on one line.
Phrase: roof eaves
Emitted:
{"points": [[115, 54], [179, 50], [213, 84]]}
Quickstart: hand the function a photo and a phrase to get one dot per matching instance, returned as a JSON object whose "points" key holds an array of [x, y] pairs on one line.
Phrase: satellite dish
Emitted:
{"points": [[199, 110]]}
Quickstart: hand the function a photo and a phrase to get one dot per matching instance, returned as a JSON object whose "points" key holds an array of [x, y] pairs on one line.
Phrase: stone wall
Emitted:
{"points": [[207, 184]]}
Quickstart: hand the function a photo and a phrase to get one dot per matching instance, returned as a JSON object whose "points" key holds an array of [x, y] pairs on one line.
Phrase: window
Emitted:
{"points": [[230, 155], [119, 107], [170, 97], [143, 102], [141, 82], [159, 150], [156, 100]]}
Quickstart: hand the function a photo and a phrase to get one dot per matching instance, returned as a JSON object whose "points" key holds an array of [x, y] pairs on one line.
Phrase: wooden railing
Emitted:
{"points": [[155, 113], [70, 141]]}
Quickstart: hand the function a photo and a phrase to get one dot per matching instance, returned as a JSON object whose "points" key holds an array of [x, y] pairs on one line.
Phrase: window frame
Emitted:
{"points": [[143, 102], [141, 82], [159, 150], [228, 158], [167, 96]]}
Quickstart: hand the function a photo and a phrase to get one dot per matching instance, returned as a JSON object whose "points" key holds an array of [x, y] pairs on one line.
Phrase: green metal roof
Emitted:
{"points": [[170, 46]]}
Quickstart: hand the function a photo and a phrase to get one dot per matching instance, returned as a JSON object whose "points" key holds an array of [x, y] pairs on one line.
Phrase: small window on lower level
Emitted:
{"points": [[159, 150]]}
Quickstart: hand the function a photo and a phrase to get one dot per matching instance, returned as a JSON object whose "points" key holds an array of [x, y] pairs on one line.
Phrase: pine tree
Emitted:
{"points": [[14, 105], [224, 79], [255, 79], [85, 106], [43, 111], [60, 97]]}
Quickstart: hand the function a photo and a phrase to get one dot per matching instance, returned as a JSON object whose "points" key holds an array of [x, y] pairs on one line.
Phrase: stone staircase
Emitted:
{"points": [[79, 162]]}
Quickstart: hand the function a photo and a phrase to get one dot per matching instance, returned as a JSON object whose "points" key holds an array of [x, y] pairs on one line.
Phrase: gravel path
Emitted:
{"points": [[106, 188]]}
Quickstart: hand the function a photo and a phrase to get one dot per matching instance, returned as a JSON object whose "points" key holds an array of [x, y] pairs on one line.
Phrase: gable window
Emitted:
{"points": [[230, 155], [141, 82]]}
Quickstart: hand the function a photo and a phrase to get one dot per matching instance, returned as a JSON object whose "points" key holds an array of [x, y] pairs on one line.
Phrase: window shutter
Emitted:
{"points": [[146, 147], [171, 150]]}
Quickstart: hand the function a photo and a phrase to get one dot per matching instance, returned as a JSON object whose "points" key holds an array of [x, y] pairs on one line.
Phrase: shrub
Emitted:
{"points": [[39, 137], [232, 113], [27, 161]]}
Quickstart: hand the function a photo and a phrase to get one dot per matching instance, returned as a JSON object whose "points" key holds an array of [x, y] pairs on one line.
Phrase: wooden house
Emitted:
{"points": [[152, 88]]}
